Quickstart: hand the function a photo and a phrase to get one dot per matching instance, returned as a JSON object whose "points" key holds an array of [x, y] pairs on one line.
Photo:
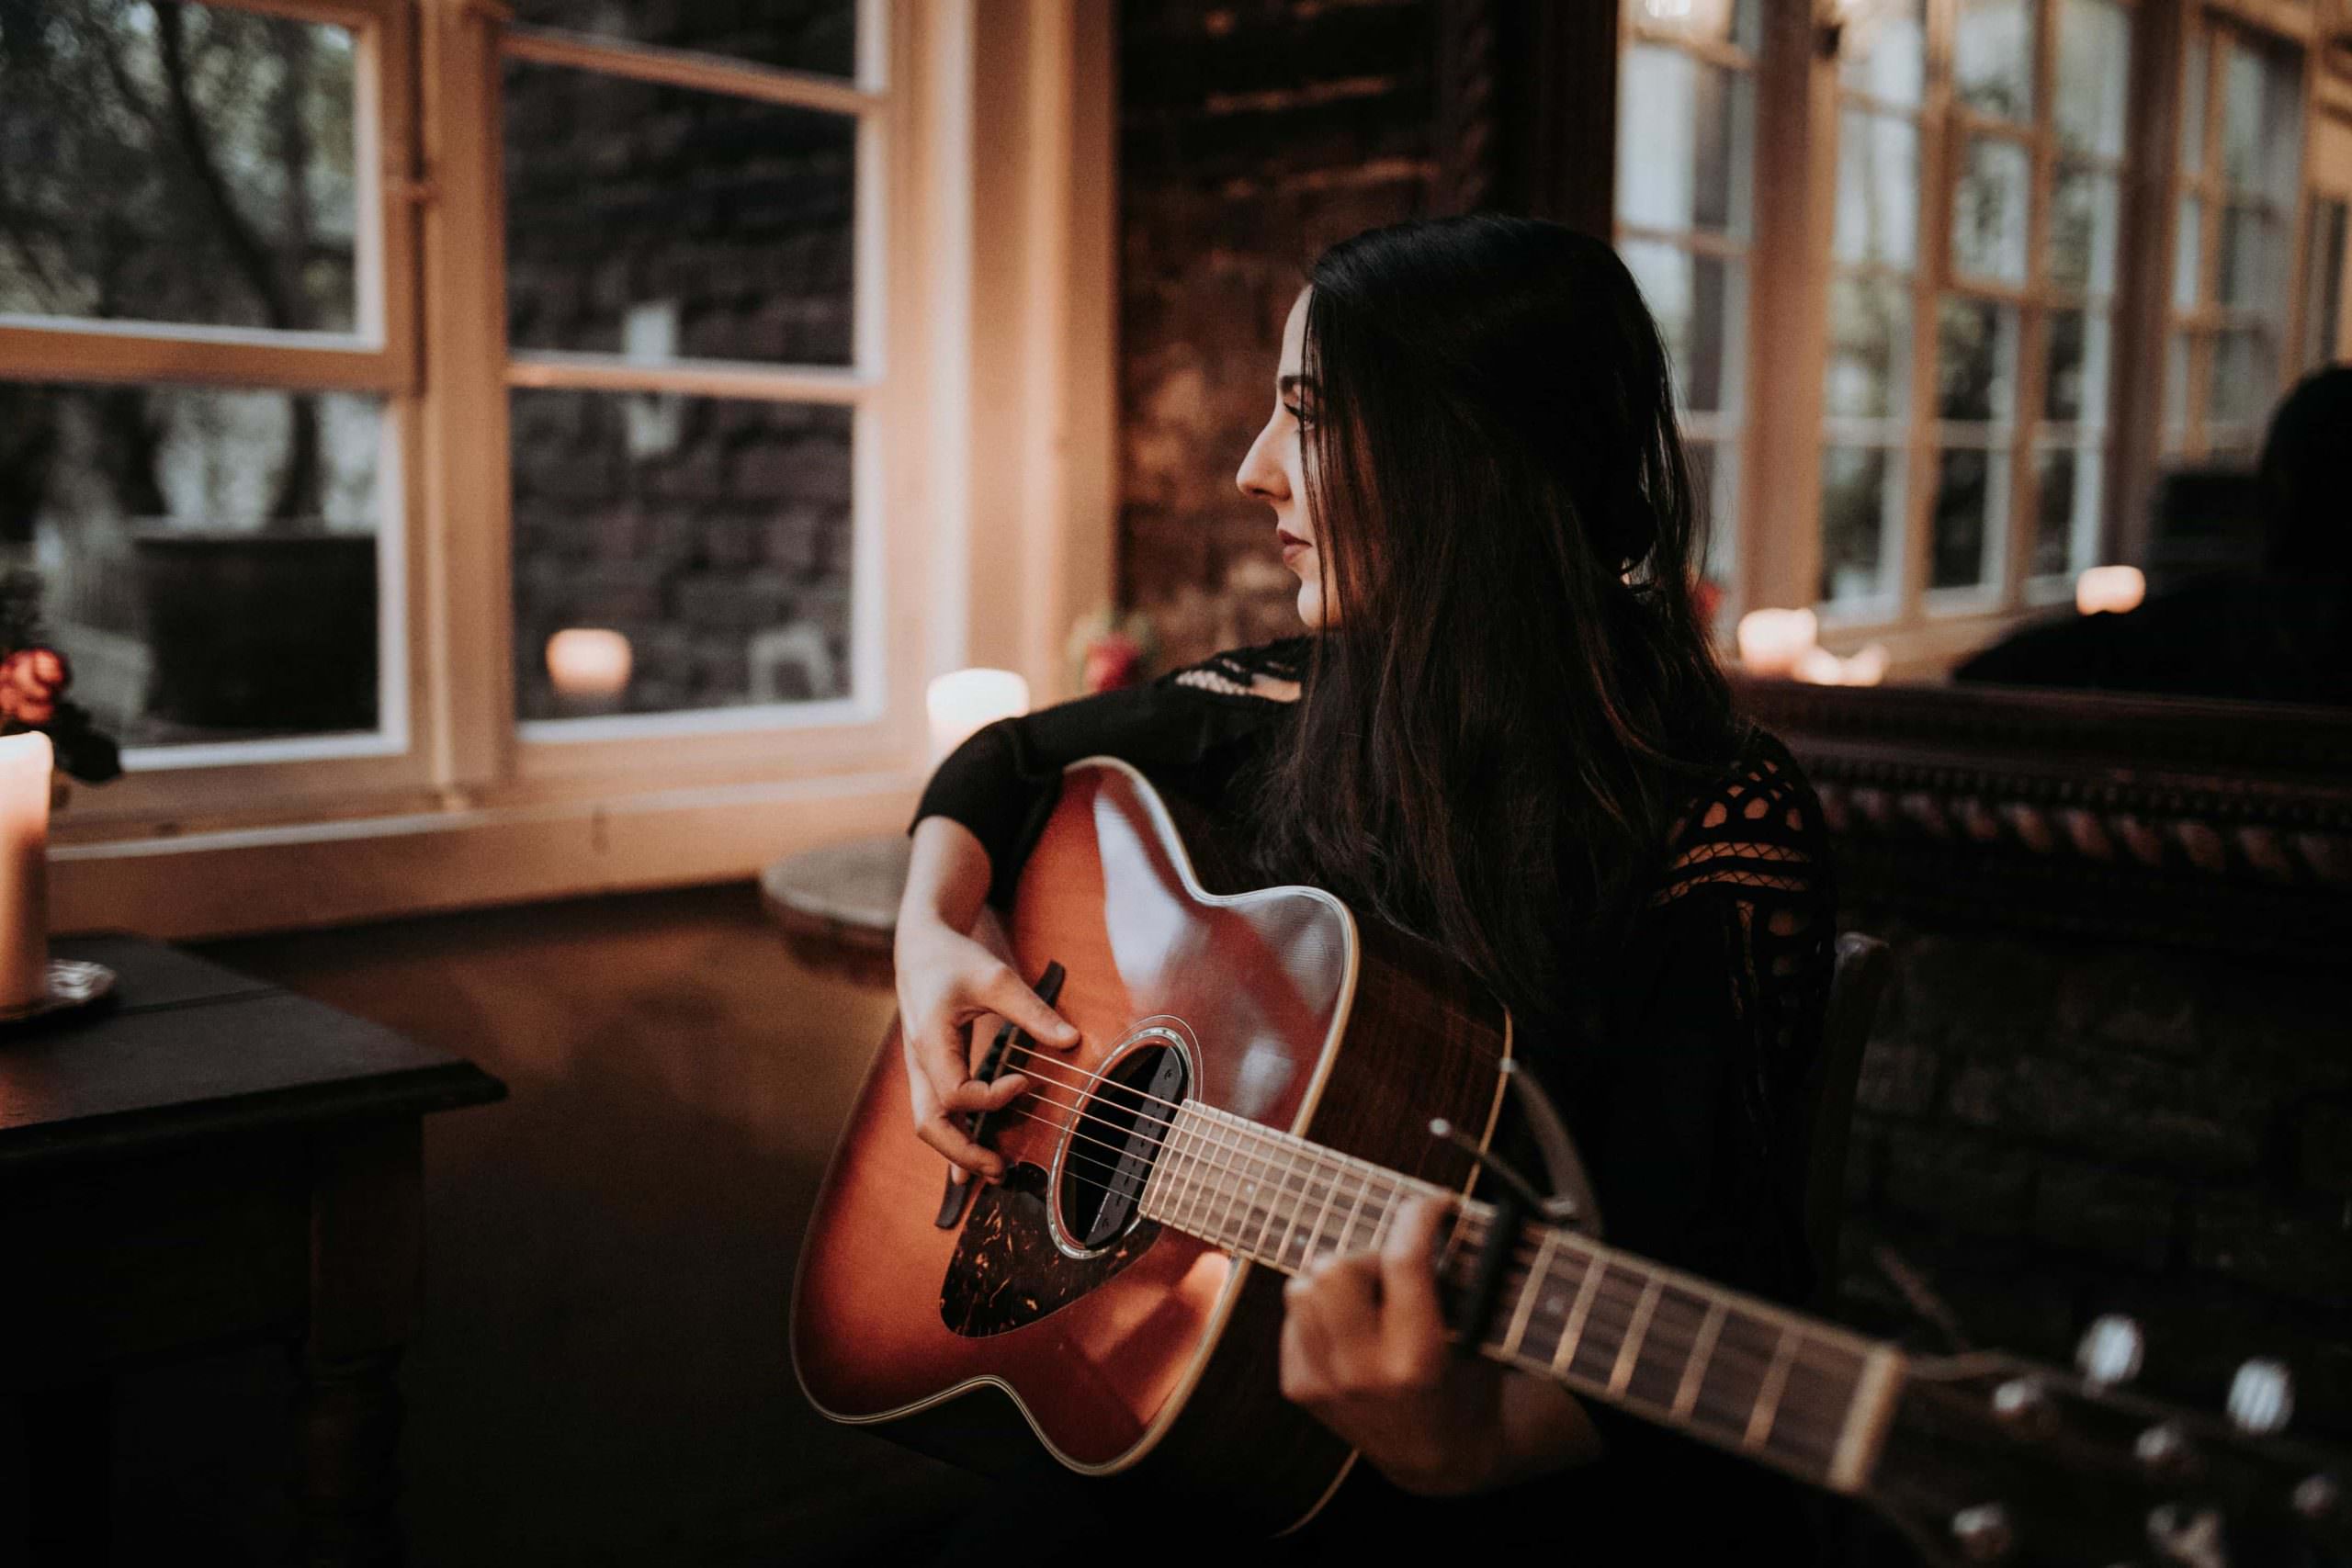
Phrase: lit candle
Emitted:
{"points": [[1773, 641], [965, 700], [1819, 667], [586, 663], [25, 763], [2111, 588]]}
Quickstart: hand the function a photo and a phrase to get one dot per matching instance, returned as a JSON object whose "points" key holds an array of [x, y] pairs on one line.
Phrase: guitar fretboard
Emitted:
{"points": [[1730, 1368]]}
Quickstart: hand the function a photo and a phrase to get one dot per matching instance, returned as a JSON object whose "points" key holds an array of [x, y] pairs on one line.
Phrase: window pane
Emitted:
{"points": [[2260, 115], [2084, 212], [1989, 210], [1976, 358], [2245, 378], [1878, 189], [1883, 49], [713, 535], [2078, 368], [1862, 519], [2187, 239], [177, 164], [2094, 74], [205, 558], [1971, 499], [1869, 349], [1695, 299], [2066, 509], [666, 223], [2179, 351], [1683, 156], [799, 35], [1714, 480], [2194, 73], [2251, 274], [1993, 57]]}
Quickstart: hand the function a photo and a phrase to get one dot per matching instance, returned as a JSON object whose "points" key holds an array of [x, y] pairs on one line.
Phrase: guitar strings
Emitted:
{"points": [[1802, 1422], [1470, 1229]]}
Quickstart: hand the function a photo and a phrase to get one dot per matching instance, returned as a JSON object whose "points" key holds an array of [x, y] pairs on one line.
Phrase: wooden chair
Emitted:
{"points": [[1859, 980]]}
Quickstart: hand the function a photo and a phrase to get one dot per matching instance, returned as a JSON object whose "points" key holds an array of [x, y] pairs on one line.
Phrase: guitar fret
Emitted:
{"points": [[1685, 1395], [1631, 1348], [1212, 1226], [1333, 1172], [1188, 1181], [1275, 1204], [1363, 1189], [1196, 1186], [1539, 1279], [1306, 1186], [1572, 1332], [1767, 1399]]}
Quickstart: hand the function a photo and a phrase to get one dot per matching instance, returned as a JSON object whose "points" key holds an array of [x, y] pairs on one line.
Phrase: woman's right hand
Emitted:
{"points": [[947, 982]]}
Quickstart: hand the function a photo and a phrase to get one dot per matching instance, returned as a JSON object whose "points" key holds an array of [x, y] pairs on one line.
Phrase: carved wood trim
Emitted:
{"points": [[2199, 824]]}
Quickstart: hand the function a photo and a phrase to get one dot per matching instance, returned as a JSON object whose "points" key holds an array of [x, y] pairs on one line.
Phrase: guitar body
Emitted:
{"points": [[1144, 1355]]}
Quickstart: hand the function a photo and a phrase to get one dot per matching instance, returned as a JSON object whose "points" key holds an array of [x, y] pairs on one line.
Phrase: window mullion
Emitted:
{"points": [[467, 488], [1939, 170]]}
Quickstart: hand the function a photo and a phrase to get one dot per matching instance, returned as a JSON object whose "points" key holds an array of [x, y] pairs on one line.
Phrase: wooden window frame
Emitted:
{"points": [[474, 810], [379, 358], [2218, 29], [1717, 428], [1801, 97]]}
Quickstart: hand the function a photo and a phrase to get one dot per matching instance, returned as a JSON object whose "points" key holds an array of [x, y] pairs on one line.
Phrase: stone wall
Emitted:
{"points": [[2053, 1129], [1250, 136]]}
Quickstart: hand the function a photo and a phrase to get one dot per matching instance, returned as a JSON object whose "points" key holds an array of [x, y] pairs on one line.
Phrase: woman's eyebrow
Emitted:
{"points": [[1289, 384]]}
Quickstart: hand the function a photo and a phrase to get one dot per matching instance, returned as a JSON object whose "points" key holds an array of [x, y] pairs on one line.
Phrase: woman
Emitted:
{"points": [[1504, 730]]}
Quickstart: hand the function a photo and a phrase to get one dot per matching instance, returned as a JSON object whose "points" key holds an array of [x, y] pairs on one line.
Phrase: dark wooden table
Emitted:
{"points": [[213, 1160]]}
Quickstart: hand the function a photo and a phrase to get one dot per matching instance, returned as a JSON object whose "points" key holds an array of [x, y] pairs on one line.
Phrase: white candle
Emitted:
{"points": [[968, 699], [1773, 641], [2111, 588], [25, 763], [588, 662]]}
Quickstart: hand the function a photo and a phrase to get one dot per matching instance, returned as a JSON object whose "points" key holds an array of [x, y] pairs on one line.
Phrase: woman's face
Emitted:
{"points": [[1273, 471]]}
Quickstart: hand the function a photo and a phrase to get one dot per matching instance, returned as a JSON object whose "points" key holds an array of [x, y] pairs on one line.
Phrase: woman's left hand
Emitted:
{"points": [[1364, 1349]]}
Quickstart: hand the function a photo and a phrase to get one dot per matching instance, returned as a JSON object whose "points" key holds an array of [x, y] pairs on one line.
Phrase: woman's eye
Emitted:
{"points": [[1298, 412]]}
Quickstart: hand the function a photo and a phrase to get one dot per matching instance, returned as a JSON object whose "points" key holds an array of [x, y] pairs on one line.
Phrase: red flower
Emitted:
{"points": [[1111, 661], [30, 682]]}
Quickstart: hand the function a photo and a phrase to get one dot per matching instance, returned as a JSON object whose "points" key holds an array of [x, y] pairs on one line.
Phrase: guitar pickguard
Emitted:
{"points": [[1007, 1273]]}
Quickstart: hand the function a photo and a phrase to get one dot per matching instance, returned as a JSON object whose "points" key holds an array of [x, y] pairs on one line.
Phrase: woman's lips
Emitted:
{"points": [[1292, 545]]}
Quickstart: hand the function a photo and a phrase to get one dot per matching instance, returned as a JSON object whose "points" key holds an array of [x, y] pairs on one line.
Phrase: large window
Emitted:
{"points": [[204, 370], [694, 365], [2236, 182], [1685, 193], [1981, 166], [472, 452]]}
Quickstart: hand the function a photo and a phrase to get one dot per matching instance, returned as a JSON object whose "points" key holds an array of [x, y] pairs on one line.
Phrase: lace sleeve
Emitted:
{"points": [[1756, 846]]}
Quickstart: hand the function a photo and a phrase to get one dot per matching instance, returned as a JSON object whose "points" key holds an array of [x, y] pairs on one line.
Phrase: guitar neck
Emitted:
{"points": [[1803, 1395]]}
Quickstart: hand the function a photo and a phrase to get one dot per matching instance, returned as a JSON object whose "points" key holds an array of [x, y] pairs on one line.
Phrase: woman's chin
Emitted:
{"points": [[1310, 605]]}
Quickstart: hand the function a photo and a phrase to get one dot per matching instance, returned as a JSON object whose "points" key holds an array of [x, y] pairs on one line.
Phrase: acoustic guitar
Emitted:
{"points": [[1253, 1091]]}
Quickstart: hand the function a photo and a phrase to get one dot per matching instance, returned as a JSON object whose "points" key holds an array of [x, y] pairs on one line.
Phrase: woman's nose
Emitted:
{"points": [[1259, 476]]}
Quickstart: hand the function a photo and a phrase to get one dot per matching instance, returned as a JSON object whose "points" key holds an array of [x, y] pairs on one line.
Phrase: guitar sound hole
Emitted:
{"points": [[1112, 1147]]}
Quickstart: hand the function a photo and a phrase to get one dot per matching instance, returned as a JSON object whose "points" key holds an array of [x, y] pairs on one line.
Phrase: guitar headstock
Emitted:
{"points": [[1993, 1459]]}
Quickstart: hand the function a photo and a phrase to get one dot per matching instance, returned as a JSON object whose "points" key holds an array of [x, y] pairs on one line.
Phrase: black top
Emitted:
{"points": [[1684, 1101]]}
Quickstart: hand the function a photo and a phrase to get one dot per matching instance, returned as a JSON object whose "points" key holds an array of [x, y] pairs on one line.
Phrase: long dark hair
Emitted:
{"points": [[1519, 693]]}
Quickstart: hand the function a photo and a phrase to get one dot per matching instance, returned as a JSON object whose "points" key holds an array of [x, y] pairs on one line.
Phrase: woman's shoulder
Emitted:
{"points": [[1756, 824], [1262, 672]]}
